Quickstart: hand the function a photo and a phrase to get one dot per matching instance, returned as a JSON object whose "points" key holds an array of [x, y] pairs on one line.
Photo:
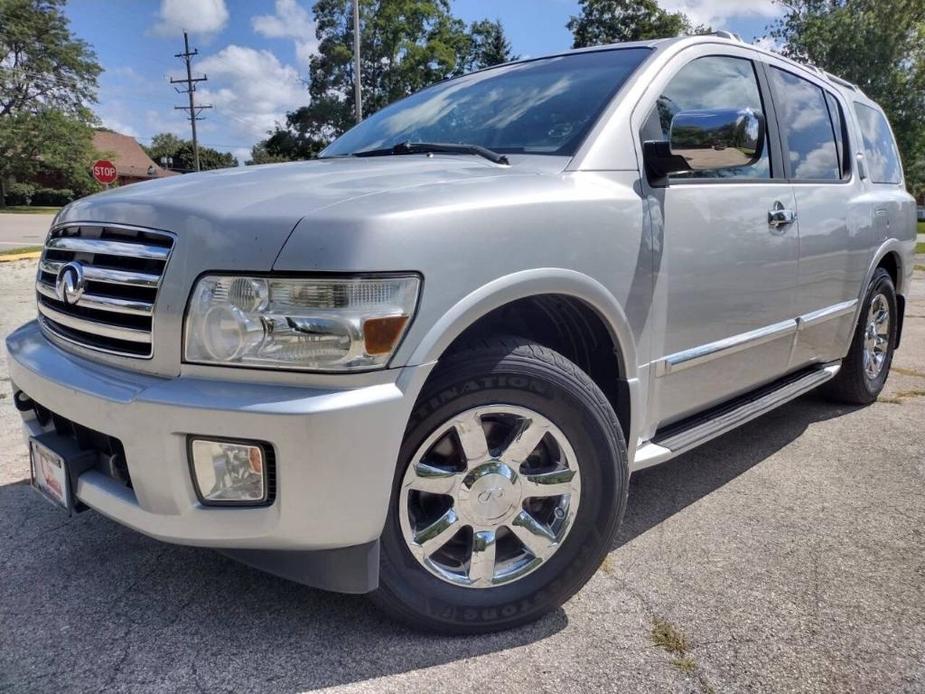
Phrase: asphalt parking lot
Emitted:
{"points": [[786, 556], [22, 230]]}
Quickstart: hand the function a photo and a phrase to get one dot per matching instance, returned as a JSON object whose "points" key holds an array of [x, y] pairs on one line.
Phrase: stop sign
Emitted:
{"points": [[104, 171]]}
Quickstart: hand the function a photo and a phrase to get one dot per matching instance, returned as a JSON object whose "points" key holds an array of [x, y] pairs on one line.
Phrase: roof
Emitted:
{"points": [[833, 80], [128, 156]]}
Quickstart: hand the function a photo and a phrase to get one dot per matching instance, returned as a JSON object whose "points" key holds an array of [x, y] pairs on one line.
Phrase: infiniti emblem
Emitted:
{"points": [[70, 283], [491, 493]]}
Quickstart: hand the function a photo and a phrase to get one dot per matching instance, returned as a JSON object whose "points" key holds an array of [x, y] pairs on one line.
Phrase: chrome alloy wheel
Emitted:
{"points": [[489, 496], [876, 336]]}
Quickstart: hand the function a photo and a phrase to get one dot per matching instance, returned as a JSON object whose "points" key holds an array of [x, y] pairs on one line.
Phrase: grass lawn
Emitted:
{"points": [[19, 250], [22, 209], [922, 227]]}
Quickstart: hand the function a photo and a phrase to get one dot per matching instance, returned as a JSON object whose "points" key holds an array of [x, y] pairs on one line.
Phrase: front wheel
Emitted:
{"points": [[865, 369], [511, 485]]}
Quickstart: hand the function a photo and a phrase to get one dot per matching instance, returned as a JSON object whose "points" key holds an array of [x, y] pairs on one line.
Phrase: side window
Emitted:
{"points": [[712, 82], [808, 133], [879, 147]]}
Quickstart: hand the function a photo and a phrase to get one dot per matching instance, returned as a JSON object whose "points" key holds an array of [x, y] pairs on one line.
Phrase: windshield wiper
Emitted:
{"points": [[436, 147]]}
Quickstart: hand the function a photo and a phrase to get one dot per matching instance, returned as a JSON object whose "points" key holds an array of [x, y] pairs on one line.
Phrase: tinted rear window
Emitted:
{"points": [[879, 147], [809, 133]]}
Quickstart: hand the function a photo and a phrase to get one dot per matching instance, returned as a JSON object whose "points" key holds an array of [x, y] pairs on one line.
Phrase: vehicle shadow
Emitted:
{"points": [[659, 492], [86, 604]]}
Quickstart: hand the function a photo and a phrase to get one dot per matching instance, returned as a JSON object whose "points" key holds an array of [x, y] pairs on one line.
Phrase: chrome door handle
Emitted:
{"points": [[779, 215]]}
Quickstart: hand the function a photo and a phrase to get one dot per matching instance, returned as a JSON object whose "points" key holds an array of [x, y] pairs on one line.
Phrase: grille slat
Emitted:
{"points": [[95, 327], [102, 303], [108, 275], [122, 269], [107, 247]]}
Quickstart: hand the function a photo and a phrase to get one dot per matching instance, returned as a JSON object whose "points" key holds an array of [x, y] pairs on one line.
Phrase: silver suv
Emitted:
{"points": [[425, 365]]}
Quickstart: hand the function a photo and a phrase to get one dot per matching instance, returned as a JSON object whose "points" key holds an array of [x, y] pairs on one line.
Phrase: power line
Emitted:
{"points": [[193, 110]]}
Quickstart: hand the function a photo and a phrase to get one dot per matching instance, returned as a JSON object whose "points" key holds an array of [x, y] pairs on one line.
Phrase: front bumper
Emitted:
{"points": [[335, 450]]}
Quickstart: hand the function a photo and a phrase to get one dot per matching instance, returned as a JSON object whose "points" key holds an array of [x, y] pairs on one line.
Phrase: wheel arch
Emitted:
{"points": [[889, 256], [571, 301]]}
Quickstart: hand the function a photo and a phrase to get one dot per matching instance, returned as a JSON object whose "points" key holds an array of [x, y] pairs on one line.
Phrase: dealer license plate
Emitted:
{"points": [[49, 474]]}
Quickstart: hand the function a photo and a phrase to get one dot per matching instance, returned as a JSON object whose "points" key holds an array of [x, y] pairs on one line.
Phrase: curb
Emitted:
{"points": [[31, 255]]}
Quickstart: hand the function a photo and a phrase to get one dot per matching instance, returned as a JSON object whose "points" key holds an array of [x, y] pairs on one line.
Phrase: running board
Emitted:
{"points": [[690, 433]]}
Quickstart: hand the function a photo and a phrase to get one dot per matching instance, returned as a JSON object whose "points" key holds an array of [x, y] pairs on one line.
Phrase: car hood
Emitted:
{"points": [[240, 218]]}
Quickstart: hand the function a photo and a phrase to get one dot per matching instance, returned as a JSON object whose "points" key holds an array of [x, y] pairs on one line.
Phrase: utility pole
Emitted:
{"points": [[357, 90], [193, 110]]}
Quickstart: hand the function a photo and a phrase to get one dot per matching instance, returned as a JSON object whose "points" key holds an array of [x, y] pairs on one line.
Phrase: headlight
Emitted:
{"points": [[316, 324]]}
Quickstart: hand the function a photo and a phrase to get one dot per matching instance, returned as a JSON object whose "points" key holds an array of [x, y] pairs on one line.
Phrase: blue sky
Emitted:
{"points": [[255, 53]]}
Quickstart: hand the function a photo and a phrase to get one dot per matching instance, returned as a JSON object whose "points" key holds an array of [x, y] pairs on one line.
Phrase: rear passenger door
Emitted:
{"points": [[726, 276], [833, 214]]}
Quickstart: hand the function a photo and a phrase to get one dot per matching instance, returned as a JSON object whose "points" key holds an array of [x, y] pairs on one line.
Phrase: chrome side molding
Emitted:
{"points": [[722, 348], [809, 320], [730, 345]]}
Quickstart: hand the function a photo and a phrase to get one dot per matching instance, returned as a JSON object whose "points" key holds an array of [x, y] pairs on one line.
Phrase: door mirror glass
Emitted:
{"points": [[717, 138]]}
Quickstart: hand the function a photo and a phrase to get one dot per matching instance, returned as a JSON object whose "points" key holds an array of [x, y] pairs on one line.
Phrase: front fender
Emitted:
{"points": [[522, 285]]}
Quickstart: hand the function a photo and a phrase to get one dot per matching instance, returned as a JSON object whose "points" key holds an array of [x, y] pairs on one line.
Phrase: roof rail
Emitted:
{"points": [[843, 83], [721, 33], [833, 78]]}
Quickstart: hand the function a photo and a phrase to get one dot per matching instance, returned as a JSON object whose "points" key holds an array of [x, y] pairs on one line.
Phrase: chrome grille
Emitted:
{"points": [[121, 269]]}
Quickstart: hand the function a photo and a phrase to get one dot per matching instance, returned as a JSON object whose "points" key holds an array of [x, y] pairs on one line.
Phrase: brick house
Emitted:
{"points": [[132, 163]]}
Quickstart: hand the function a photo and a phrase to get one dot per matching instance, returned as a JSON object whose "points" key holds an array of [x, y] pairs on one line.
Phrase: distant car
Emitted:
{"points": [[425, 365], [920, 214]]}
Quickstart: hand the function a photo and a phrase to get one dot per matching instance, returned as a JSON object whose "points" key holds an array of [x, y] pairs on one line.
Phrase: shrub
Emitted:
{"points": [[20, 194], [53, 197]]}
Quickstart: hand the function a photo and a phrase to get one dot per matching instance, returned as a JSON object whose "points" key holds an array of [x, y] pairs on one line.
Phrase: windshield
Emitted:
{"points": [[543, 106]]}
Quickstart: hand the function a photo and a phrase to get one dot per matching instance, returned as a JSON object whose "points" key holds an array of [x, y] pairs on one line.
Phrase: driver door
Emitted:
{"points": [[726, 277]]}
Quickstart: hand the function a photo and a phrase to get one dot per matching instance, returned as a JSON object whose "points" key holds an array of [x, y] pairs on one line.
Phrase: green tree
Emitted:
{"points": [[48, 79], [50, 145], [613, 21], [260, 155], [489, 44], [877, 44], [405, 46], [181, 151]]}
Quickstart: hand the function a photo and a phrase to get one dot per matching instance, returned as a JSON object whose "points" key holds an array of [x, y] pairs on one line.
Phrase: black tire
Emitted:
{"points": [[853, 385], [516, 372]]}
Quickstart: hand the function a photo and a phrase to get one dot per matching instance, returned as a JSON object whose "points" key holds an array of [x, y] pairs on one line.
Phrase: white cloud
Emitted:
{"points": [[251, 88], [769, 44], [289, 21], [113, 123], [194, 16], [716, 12], [242, 154]]}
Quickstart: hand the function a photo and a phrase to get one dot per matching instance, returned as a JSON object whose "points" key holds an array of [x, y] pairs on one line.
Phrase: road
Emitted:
{"points": [[18, 230], [790, 555]]}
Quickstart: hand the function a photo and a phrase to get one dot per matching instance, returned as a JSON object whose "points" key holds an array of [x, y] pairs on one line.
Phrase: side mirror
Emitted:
{"points": [[708, 140]]}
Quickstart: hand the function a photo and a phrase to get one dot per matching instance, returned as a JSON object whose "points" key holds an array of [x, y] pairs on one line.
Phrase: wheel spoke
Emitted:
{"points": [[525, 441], [471, 438], [534, 535], [434, 480], [553, 483], [438, 533], [482, 563]]}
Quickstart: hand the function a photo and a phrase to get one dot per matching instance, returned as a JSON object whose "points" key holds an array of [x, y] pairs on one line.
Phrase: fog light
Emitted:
{"points": [[228, 472]]}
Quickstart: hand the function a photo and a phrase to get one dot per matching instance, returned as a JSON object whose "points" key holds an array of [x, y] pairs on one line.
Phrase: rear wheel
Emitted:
{"points": [[511, 485], [864, 371]]}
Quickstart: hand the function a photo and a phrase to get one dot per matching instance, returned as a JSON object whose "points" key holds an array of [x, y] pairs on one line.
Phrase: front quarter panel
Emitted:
{"points": [[481, 244]]}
